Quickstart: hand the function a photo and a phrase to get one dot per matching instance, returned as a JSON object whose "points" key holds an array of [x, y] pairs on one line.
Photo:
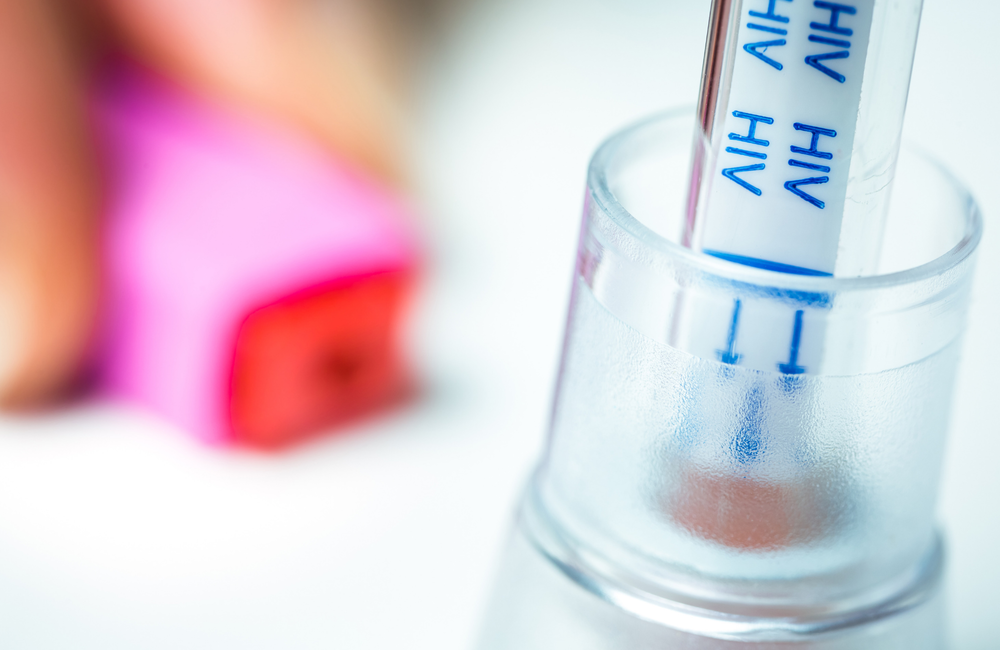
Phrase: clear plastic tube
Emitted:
{"points": [[800, 116]]}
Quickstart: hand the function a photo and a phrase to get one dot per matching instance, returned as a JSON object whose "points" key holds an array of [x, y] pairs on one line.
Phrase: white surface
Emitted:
{"points": [[116, 532]]}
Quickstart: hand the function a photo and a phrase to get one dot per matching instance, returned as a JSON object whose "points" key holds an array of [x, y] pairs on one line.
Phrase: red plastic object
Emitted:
{"points": [[318, 358]]}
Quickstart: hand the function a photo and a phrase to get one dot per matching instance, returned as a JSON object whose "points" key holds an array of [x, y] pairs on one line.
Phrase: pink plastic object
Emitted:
{"points": [[228, 239]]}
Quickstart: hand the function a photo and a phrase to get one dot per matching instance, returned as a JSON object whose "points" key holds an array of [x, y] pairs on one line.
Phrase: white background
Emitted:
{"points": [[118, 532]]}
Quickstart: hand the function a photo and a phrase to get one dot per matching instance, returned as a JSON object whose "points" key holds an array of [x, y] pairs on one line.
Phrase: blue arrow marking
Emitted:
{"points": [[729, 356], [793, 367]]}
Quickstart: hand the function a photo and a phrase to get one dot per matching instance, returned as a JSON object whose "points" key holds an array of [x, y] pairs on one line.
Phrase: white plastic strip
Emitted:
{"points": [[776, 194]]}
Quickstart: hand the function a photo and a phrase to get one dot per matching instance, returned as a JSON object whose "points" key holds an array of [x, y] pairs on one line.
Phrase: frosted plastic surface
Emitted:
{"points": [[737, 473]]}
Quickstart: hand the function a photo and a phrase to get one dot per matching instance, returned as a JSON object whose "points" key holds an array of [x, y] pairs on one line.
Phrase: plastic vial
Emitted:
{"points": [[687, 502]]}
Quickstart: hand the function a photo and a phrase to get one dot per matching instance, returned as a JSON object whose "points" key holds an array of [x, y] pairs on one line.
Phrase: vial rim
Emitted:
{"points": [[601, 192]]}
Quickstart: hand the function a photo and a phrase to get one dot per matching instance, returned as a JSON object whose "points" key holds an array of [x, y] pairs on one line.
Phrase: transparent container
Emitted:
{"points": [[689, 500]]}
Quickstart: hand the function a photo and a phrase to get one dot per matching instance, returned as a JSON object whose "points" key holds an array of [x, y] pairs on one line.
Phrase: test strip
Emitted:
{"points": [[779, 110], [781, 153]]}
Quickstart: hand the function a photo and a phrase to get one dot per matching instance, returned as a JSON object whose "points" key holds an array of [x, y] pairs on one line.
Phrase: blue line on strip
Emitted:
{"points": [[793, 367], [729, 356], [765, 28], [766, 264], [805, 165], [829, 41], [744, 152]]}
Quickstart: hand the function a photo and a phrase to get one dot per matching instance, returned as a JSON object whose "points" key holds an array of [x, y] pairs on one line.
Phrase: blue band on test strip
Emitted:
{"points": [[766, 264]]}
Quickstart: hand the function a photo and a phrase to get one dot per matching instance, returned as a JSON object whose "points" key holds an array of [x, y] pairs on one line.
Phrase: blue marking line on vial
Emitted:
{"points": [[767, 265], [729, 356], [793, 367]]}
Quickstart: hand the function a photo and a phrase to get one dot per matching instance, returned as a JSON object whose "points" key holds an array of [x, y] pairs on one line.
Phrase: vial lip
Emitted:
{"points": [[732, 487], [601, 192]]}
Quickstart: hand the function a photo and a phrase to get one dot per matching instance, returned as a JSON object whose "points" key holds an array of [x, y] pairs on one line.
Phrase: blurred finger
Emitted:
{"points": [[327, 66], [48, 202]]}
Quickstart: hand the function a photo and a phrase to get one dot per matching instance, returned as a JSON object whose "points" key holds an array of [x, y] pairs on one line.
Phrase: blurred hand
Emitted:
{"points": [[332, 69]]}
